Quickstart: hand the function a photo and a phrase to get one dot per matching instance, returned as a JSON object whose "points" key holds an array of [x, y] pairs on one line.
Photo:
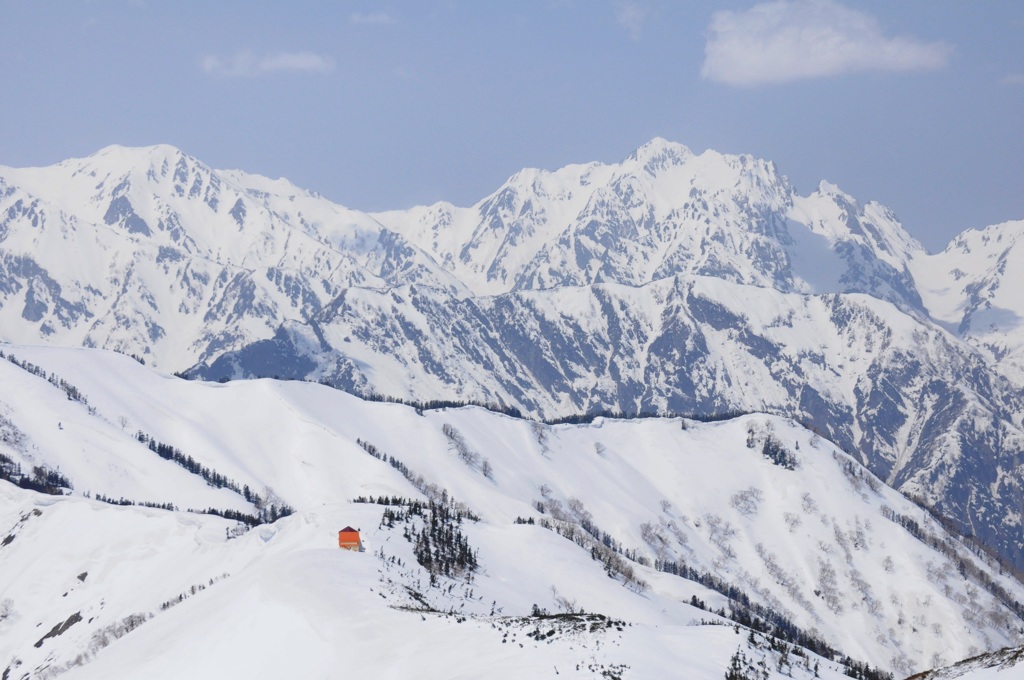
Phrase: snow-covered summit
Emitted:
{"points": [[663, 211], [973, 288], [659, 154]]}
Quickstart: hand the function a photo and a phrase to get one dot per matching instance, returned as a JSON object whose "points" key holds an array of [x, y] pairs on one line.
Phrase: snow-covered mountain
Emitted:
{"points": [[149, 251], [664, 212], [618, 548], [973, 288], [154, 240], [669, 282]]}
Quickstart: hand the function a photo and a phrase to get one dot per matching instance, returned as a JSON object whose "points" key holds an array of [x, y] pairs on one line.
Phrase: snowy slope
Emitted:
{"points": [[1000, 665], [281, 601], [824, 544]]}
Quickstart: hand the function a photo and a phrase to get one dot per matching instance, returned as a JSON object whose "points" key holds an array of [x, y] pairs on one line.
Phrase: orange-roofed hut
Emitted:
{"points": [[348, 538]]}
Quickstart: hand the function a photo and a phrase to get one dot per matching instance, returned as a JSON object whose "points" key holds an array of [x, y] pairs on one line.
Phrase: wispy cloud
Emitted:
{"points": [[789, 40], [246, 64], [631, 16], [1012, 79], [375, 18]]}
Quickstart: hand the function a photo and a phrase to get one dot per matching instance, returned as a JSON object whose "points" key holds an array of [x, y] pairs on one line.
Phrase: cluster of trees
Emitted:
{"points": [[40, 478], [747, 501], [968, 539], [967, 567], [577, 515], [432, 491], [766, 621], [434, 529], [459, 444], [742, 668], [771, 447], [390, 460], [773, 450], [49, 481], [440, 546], [589, 417], [428, 405], [74, 394], [126, 502], [610, 554], [385, 500], [266, 515], [577, 524], [271, 513], [857, 475], [470, 457], [104, 636], [269, 508], [781, 654], [418, 507], [173, 454], [193, 590], [132, 355]]}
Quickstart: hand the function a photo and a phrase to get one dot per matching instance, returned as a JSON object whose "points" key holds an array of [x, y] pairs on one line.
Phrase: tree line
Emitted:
{"points": [[40, 478], [268, 509], [72, 392]]}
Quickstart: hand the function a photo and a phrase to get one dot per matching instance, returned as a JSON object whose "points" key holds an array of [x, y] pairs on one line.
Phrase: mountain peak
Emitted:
{"points": [[661, 152], [148, 149], [826, 188], [138, 156]]}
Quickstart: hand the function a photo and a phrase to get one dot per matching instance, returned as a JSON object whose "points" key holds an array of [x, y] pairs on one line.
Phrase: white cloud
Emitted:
{"points": [[631, 16], [1013, 79], [376, 18], [788, 40], [247, 65]]}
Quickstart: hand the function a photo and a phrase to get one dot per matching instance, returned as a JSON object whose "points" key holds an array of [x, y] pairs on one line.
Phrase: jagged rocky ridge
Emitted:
{"points": [[669, 282]]}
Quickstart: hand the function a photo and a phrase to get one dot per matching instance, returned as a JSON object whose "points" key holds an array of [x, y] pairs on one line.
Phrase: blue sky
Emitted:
{"points": [[918, 104]]}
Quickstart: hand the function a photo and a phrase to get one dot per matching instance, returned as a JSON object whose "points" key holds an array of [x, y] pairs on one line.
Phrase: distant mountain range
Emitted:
{"points": [[670, 282]]}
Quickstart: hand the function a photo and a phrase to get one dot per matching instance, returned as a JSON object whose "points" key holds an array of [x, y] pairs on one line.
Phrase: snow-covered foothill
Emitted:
{"points": [[757, 503]]}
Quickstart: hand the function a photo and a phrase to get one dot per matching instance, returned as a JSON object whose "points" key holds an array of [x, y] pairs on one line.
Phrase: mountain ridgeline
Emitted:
{"points": [[670, 282]]}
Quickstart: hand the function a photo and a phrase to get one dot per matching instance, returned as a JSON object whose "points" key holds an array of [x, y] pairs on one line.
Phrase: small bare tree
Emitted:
{"points": [[747, 501], [458, 444], [540, 433], [793, 521], [828, 587]]}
